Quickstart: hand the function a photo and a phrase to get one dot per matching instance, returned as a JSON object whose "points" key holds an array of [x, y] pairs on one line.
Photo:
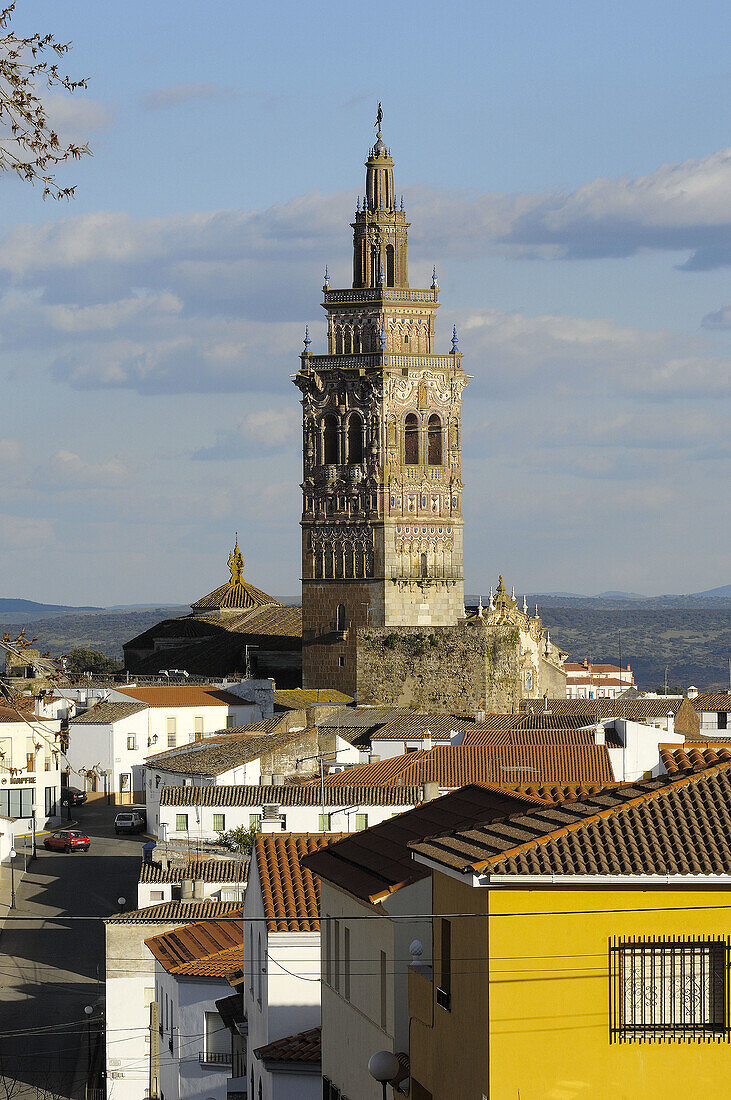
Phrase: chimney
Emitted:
{"points": [[692, 692], [198, 889], [278, 779], [671, 722], [265, 780], [479, 716], [429, 791], [186, 889], [600, 737], [426, 740]]}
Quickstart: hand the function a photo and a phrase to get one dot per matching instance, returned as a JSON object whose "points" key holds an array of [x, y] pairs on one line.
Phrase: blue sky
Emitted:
{"points": [[565, 166]]}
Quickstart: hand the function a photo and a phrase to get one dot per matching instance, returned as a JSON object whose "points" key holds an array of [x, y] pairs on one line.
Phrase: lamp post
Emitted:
{"points": [[383, 1066], [12, 854], [33, 827], [88, 1009]]}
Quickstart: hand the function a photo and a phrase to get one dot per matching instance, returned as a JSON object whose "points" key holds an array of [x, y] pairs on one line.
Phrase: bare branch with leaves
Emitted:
{"points": [[29, 146]]}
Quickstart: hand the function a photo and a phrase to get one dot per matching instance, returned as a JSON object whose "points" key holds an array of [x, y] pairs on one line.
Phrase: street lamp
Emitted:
{"points": [[33, 826], [383, 1066], [88, 1009], [12, 853]]}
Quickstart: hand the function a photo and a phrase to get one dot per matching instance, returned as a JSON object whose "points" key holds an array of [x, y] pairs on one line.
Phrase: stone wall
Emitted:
{"points": [[462, 669]]}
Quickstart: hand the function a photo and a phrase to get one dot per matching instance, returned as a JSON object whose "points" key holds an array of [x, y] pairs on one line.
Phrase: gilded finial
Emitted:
{"points": [[236, 563]]}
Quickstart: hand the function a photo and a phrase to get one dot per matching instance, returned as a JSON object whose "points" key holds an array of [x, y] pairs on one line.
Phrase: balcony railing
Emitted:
{"points": [[381, 293], [214, 1058]]}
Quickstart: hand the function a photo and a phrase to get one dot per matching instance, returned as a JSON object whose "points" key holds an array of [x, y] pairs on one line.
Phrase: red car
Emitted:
{"points": [[67, 840]]}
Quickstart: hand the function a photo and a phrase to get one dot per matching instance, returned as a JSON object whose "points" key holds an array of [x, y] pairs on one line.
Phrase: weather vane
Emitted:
{"points": [[379, 119]]}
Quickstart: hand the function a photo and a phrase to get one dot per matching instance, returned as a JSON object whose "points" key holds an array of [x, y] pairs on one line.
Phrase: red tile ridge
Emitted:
{"points": [[566, 830]]}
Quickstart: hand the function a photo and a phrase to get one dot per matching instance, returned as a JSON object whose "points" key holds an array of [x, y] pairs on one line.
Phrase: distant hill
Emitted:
{"points": [[724, 590], [102, 630], [12, 610]]}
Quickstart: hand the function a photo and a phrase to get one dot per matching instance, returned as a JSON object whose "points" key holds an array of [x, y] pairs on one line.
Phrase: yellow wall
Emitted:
{"points": [[548, 1008]]}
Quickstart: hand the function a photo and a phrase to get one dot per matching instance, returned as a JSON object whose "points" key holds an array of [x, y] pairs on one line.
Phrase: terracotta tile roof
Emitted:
{"points": [[562, 792], [480, 735], [299, 698], [679, 760], [104, 714], [456, 765], [205, 870], [662, 826], [416, 725], [273, 621], [304, 794], [231, 1011], [176, 912], [607, 708], [374, 863], [10, 714], [216, 755], [360, 717], [717, 700], [205, 949], [301, 1048], [234, 595], [290, 892], [184, 695]]}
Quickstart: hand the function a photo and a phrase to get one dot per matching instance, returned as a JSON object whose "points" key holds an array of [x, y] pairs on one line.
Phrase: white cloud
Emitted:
{"points": [[25, 533], [163, 98], [67, 470], [76, 115], [256, 433]]}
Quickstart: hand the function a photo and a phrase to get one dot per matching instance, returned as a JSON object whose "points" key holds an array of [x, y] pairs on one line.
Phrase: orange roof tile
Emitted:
{"points": [[678, 760], [303, 1047], [290, 892], [205, 949], [184, 695]]}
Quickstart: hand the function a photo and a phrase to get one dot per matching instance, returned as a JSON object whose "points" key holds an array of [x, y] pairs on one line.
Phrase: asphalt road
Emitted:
{"points": [[51, 968]]}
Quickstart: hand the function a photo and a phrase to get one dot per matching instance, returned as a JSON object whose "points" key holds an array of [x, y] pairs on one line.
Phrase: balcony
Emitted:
{"points": [[381, 294], [214, 1058]]}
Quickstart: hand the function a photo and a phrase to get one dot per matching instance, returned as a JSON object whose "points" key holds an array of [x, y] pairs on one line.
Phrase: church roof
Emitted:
{"points": [[237, 594]]}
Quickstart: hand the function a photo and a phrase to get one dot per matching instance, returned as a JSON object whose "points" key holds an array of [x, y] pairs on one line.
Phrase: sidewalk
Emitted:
{"points": [[23, 847]]}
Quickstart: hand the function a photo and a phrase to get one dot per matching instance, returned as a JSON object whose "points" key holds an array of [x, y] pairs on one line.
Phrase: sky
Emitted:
{"points": [[566, 167]]}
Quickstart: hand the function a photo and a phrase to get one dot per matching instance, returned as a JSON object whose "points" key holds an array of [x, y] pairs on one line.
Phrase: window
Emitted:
{"points": [[217, 1041], [411, 440], [341, 662], [723, 719], [157, 895], [340, 618], [346, 963], [47, 764], [253, 821], [444, 989], [390, 265], [171, 727], [16, 802], [131, 741], [355, 440], [434, 437], [330, 442], [30, 762], [219, 823], [361, 822], [198, 726], [669, 989], [383, 990], [181, 823], [231, 721], [323, 823]]}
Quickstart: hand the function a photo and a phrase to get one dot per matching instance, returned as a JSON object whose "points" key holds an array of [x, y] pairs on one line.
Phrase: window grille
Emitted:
{"points": [[664, 989]]}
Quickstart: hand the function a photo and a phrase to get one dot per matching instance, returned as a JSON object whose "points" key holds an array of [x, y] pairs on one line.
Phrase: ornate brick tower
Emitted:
{"points": [[382, 489]]}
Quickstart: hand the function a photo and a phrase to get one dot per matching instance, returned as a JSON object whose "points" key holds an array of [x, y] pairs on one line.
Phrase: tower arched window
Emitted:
{"points": [[390, 265], [347, 341], [340, 618], [411, 440], [338, 340], [330, 441], [434, 434], [355, 439]]}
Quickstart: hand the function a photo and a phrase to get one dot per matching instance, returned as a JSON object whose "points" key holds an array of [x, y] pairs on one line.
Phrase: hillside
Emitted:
{"points": [[19, 611], [102, 630]]}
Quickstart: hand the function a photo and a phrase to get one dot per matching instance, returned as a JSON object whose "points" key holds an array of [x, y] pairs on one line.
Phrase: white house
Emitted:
{"points": [[109, 742], [130, 987], [587, 680], [202, 812], [281, 962], [194, 967], [713, 709], [30, 772], [173, 880]]}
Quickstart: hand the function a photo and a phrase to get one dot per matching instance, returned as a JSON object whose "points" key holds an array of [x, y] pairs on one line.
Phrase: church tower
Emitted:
{"points": [[382, 486]]}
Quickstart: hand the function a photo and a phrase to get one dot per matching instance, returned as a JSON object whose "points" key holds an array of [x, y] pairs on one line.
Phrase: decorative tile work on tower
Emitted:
{"points": [[382, 485]]}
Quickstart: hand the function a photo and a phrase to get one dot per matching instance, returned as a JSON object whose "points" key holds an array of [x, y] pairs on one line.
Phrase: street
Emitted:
{"points": [[53, 968]]}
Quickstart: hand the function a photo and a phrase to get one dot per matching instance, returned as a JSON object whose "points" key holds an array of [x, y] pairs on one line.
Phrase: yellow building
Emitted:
{"points": [[581, 951]]}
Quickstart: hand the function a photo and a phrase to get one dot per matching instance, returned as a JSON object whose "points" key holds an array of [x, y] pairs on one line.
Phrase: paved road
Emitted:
{"points": [[51, 968]]}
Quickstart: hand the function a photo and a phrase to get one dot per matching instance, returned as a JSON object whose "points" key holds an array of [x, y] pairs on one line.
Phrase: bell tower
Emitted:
{"points": [[382, 486]]}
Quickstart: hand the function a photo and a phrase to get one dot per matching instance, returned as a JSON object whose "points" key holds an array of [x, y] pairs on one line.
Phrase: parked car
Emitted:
{"points": [[67, 840], [72, 796], [130, 821]]}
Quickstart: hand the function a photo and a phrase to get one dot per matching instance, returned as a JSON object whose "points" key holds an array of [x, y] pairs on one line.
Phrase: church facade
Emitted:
{"points": [[382, 481]]}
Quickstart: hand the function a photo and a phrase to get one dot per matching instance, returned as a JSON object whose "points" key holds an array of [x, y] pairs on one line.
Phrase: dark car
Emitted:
{"points": [[67, 840], [130, 821], [72, 796]]}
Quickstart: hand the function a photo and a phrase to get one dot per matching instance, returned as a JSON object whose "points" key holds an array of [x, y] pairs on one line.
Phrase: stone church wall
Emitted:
{"points": [[461, 669]]}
